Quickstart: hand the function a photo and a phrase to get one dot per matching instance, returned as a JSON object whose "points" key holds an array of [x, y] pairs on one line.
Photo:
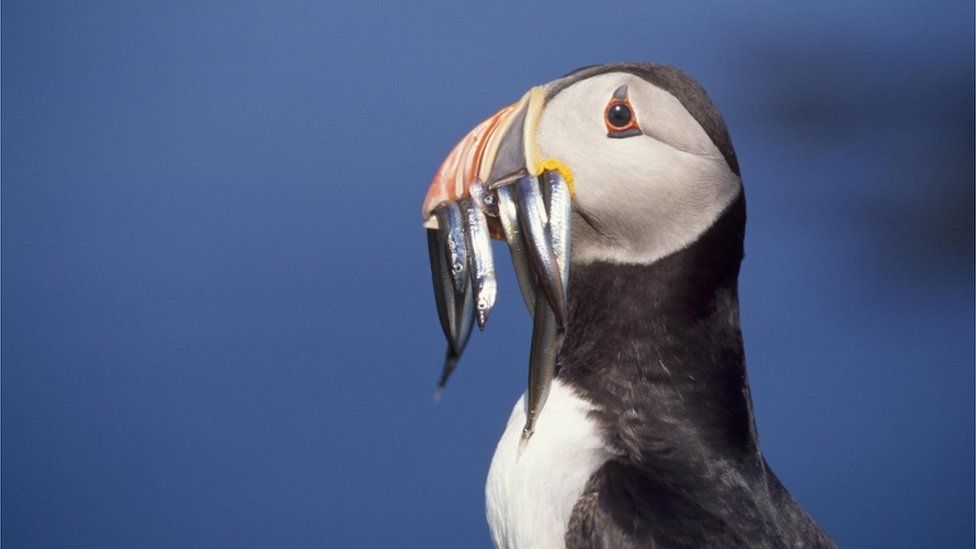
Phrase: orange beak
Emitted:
{"points": [[494, 183], [500, 149]]}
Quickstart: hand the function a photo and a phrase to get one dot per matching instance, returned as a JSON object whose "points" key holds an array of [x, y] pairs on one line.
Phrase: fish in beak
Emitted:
{"points": [[494, 184]]}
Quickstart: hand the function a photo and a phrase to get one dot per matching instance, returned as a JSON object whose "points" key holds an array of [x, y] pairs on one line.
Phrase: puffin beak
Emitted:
{"points": [[494, 184], [499, 150]]}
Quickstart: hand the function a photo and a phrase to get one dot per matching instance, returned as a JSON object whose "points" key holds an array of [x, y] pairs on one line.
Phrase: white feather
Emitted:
{"points": [[531, 499]]}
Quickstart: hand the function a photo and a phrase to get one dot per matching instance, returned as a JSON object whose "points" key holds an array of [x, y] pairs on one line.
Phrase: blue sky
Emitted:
{"points": [[217, 321]]}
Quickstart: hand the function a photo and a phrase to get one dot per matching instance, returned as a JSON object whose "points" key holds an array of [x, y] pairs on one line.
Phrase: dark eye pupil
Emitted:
{"points": [[619, 115]]}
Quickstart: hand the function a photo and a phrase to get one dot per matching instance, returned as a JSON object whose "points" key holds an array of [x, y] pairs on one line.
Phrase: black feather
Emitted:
{"points": [[658, 349]]}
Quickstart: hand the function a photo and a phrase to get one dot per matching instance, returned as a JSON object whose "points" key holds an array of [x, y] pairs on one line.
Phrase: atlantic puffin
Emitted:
{"points": [[626, 217]]}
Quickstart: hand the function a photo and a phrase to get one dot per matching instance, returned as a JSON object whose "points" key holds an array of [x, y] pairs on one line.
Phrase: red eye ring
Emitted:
{"points": [[619, 117]]}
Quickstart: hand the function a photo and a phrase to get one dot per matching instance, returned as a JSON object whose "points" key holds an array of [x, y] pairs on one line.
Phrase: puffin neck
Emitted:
{"points": [[658, 349]]}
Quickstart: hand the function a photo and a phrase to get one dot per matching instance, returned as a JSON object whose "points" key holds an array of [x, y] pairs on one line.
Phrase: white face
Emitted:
{"points": [[642, 197]]}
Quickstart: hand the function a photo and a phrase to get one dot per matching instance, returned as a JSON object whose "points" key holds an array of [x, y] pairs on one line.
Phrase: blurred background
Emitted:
{"points": [[217, 320]]}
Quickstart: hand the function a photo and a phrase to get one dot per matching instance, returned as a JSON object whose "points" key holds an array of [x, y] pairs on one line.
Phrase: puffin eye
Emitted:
{"points": [[619, 116]]}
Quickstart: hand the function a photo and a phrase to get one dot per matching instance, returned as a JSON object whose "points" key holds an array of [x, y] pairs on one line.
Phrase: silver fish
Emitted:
{"points": [[546, 339], [513, 235], [440, 271], [560, 221], [482, 263], [542, 366], [451, 223], [453, 311], [538, 239], [460, 333]]}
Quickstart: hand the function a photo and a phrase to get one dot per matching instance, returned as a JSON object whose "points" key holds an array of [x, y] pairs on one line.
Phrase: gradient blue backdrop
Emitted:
{"points": [[218, 327]]}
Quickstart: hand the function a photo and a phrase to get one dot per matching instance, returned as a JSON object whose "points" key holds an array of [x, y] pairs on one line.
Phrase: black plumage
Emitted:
{"points": [[658, 349]]}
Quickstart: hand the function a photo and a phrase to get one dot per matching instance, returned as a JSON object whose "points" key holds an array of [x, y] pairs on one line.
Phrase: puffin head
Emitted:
{"points": [[651, 158], [622, 163], [646, 153]]}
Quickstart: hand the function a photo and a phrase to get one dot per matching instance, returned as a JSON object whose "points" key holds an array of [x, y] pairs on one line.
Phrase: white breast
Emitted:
{"points": [[530, 500]]}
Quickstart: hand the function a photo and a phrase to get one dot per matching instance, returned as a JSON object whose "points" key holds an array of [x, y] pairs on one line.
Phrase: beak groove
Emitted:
{"points": [[498, 150]]}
